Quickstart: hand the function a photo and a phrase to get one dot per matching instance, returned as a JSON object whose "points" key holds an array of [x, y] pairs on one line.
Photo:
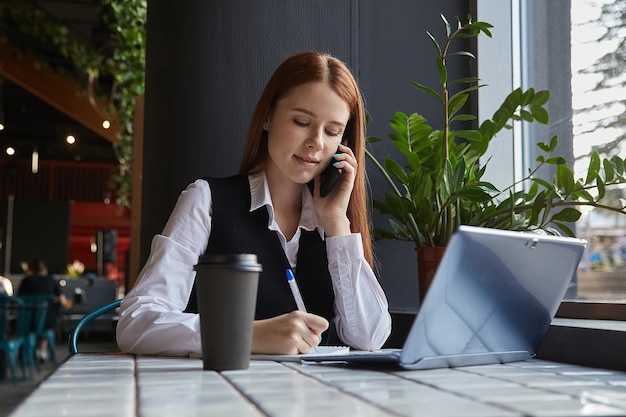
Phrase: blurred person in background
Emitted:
{"points": [[39, 281]]}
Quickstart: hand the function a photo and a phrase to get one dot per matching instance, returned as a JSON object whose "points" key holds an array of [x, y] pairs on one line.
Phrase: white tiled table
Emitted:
{"points": [[123, 385]]}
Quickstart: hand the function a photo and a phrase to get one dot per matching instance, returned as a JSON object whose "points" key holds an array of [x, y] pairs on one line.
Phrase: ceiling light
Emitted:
{"points": [[1, 105], [10, 151], [106, 124], [35, 162], [70, 139]]}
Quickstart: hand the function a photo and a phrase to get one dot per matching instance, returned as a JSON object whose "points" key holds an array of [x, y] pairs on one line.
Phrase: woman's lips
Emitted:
{"points": [[306, 161]]}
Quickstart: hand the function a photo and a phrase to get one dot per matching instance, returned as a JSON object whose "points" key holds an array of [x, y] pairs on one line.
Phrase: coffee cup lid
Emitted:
{"points": [[242, 260]]}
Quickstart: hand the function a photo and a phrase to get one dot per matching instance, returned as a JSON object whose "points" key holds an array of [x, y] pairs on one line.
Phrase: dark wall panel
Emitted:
{"points": [[206, 65], [40, 229]]}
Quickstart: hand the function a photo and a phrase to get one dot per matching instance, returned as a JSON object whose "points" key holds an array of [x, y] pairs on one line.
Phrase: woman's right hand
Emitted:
{"points": [[288, 334]]}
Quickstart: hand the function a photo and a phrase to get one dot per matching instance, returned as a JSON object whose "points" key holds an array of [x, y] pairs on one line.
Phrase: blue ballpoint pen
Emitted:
{"points": [[295, 291], [296, 295]]}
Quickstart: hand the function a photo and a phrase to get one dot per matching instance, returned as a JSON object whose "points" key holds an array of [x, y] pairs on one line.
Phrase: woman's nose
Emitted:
{"points": [[316, 139]]}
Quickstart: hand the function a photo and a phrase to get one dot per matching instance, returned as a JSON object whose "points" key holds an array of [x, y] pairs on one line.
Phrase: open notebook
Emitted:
{"points": [[491, 301], [317, 352]]}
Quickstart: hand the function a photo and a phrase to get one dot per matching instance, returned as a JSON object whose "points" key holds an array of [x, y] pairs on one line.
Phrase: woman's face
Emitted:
{"points": [[304, 131]]}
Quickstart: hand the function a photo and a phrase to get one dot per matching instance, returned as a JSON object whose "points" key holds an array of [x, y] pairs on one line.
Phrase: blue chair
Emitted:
{"points": [[42, 305], [14, 327], [73, 340]]}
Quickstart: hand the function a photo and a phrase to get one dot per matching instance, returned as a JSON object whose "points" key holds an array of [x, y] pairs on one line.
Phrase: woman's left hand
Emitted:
{"points": [[331, 210]]}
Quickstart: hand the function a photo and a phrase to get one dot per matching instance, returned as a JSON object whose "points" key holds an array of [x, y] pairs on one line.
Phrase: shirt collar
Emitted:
{"points": [[260, 196]]}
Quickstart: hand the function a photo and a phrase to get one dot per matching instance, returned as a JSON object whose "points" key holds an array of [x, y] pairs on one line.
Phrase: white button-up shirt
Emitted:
{"points": [[152, 320]]}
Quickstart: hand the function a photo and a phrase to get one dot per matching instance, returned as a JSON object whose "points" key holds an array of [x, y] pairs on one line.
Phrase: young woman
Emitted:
{"points": [[309, 115]]}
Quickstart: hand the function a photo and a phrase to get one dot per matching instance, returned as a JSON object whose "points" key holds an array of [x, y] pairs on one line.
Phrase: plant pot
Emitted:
{"points": [[428, 259]]}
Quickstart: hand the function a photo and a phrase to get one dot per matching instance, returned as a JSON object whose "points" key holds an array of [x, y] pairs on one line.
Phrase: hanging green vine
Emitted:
{"points": [[120, 61], [127, 21]]}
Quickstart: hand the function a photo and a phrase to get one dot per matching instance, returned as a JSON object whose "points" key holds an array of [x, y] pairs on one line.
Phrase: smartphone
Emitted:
{"points": [[329, 178]]}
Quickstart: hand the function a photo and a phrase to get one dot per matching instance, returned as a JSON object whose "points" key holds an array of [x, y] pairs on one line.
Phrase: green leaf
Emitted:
{"points": [[525, 115], [482, 27], [569, 232], [445, 186], [487, 129], [400, 229], [594, 167], [537, 208], [472, 135], [546, 184], [501, 117], [618, 163], [466, 80], [488, 186], [568, 214], [427, 90], [565, 178], [556, 160], [584, 195], [395, 170], [456, 103], [609, 172], [446, 24], [540, 98], [435, 43], [476, 194], [554, 141], [532, 192], [380, 206], [380, 234], [463, 53], [528, 96], [443, 71], [601, 188], [540, 114], [463, 117], [543, 146]]}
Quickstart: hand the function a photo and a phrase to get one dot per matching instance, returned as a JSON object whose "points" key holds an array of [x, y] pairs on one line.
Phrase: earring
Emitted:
{"points": [[265, 126]]}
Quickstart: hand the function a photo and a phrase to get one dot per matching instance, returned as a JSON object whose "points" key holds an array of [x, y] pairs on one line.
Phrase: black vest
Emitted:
{"points": [[234, 229]]}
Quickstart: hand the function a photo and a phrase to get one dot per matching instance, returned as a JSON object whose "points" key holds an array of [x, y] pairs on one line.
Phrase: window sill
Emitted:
{"points": [[593, 343], [605, 310]]}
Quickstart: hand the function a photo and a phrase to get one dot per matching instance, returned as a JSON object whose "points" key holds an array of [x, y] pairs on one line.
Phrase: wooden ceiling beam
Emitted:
{"points": [[56, 90]]}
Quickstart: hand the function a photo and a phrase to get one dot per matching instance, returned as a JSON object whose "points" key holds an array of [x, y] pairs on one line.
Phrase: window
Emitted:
{"points": [[576, 50], [598, 92]]}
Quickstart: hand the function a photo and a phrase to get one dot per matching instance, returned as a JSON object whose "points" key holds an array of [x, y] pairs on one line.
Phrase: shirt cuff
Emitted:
{"points": [[342, 247]]}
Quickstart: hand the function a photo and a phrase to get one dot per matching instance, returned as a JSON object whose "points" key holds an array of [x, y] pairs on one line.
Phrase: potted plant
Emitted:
{"points": [[439, 185]]}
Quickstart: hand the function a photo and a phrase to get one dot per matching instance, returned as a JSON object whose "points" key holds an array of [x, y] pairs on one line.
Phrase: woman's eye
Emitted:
{"points": [[300, 123], [331, 133]]}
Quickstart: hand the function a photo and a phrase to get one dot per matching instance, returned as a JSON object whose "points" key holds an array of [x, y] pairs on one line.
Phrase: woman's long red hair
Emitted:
{"points": [[316, 67]]}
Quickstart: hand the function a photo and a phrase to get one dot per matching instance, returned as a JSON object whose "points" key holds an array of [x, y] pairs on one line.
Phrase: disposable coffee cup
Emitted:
{"points": [[226, 290]]}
